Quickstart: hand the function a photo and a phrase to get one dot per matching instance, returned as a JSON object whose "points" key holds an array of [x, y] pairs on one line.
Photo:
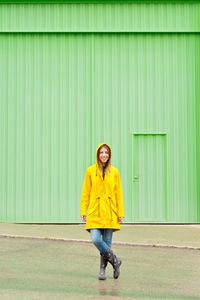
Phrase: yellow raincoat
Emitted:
{"points": [[102, 199]]}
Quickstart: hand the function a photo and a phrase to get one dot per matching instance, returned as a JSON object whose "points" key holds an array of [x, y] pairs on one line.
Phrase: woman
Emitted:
{"points": [[102, 202]]}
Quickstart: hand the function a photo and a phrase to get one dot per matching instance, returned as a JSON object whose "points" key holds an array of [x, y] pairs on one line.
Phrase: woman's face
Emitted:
{"points": [[103, 155]]}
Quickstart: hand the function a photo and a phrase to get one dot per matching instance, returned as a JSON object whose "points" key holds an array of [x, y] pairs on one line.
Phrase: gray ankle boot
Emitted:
{"points": [[103, 264], [114, 261]]}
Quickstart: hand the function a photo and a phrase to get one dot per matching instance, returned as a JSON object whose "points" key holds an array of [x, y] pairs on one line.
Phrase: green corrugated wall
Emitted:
{"points": [[75, 75]]}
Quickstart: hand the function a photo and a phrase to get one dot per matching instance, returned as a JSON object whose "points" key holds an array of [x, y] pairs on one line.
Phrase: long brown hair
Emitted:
{"points": [[108, 163]]}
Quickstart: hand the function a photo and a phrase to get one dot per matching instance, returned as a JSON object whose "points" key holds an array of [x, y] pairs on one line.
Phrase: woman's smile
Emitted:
{"points": [[104, 154]]}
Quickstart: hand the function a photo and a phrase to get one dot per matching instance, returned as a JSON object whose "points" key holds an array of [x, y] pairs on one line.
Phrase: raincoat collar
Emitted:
{"points": [[97, 166]]}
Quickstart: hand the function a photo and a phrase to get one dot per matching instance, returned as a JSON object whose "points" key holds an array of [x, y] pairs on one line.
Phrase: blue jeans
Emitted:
{"points": [[102, 238]]}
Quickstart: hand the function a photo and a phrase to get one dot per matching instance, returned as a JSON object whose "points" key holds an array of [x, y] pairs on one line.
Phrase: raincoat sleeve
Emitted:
{"points": [[85, 193], [119, 196]]}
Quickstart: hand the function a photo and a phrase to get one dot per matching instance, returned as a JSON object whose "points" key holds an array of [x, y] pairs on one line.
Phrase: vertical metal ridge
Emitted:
{"points": [[197, 110]]}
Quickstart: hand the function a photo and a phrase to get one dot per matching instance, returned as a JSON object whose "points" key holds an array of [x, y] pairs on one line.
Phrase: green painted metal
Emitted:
{"points": [[101, 17], [197, 117], [97, 1], [64, 93], [47, 123], [149, 175], [44, 106], [148, 87]]}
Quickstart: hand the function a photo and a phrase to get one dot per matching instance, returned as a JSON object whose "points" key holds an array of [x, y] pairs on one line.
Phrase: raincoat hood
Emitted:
{"points": [[97, 165]]}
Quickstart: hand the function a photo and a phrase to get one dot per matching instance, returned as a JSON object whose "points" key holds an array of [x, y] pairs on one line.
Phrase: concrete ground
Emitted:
{"points": [[152, 235], [35, 267]]}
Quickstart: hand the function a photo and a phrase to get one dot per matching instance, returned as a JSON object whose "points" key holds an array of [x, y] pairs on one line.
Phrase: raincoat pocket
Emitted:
{"points": [[95, 207], [113, 209]]}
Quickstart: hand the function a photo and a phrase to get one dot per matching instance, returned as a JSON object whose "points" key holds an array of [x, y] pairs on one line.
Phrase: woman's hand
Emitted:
{"points": [[83, 218], [120, 220]]}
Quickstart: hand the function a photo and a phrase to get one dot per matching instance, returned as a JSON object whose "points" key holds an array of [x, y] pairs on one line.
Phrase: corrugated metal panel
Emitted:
{"points": [[44, 103], [116, 17], [63, 94], [146, 84]]}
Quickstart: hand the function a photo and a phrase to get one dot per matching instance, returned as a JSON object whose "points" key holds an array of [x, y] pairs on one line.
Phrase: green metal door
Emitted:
{"points": [[149, 177]]}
